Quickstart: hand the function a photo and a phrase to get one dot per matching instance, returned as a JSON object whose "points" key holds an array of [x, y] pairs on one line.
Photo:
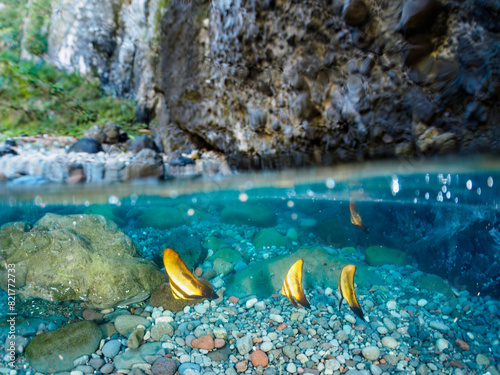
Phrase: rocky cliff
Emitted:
{"points": [[278, 83]]}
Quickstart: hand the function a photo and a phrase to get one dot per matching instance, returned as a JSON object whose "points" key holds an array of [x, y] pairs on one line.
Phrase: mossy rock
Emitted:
{"points": [[348, 250], [248, 214], [320, 268], [380, 255], [222, 266], [197, 215], [77, 257], [434, 283], [227, 254], [163, 297], [268, 237], [56, 350], [161, 218], [113, 213], [214, 243]]}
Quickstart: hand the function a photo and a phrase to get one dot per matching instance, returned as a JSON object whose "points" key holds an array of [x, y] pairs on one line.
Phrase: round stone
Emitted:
{"points": [[371, 353], [390, 342], [259, 358], [266, 346]]}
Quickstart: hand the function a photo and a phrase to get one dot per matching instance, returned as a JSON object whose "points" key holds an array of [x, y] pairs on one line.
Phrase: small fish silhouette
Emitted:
{"points": [[292, 286], [347, 292], [182, 282], [355, 218]]}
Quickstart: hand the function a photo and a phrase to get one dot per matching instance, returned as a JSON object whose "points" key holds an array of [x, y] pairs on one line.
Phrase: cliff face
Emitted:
{"points": [[279, 83]]}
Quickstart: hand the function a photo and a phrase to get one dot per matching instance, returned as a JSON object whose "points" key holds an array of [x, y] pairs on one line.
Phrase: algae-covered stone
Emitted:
{"points": [[380, 255], [214, 243], [320, 268], [434, 283], [161, 218], [268, 237], [222, 266], [248, 214], [163, 297], [227, 254], [56, 350], [77, 257], [126, 323]]}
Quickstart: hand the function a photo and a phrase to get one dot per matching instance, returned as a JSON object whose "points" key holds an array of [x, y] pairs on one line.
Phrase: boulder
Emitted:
{"points": [[434, 283], [88, 145], [76, 257], [380, 255], [56, 350], [186, 244], [248, 214], [161, 218], [147, 163], [268, 237], [320, 268]]}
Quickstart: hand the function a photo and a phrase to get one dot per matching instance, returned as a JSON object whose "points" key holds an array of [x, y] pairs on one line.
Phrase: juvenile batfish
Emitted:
{"points": [[292, 286], [346, 289], [355, 218], [182, 282]]}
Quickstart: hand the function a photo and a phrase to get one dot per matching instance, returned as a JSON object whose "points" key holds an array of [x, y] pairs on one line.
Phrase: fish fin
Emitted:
{"points": [[341, 299], [304, 302], [357, 310]]}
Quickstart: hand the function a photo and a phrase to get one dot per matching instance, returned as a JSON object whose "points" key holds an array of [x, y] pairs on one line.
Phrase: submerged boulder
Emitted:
{"points": [[320, 268], [248, 214], [55, 351], [76, 257], [380, 255]]}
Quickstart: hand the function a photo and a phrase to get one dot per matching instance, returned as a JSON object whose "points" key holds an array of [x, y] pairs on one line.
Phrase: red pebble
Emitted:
{"points": [[233, 299], [204, 342], [241, 366], [259, 358], [462, 344], [281, 327], [257, 339], [219, 343]]}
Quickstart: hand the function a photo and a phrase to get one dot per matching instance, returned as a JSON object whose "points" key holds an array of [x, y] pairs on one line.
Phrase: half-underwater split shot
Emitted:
{"points": [[264, 187]]}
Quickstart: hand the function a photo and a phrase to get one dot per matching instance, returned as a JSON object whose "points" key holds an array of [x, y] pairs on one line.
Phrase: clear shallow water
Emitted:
{"points": [[442, 219]]}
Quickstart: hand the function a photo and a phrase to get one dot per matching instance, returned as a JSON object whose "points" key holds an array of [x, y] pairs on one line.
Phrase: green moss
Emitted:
{"points": [[38, 26]]}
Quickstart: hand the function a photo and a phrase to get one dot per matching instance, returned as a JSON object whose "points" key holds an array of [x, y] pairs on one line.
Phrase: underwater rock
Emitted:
{"points": [[355, 12], [161, 218], [248, 214], [186, 244], [222, 267], [56, 350], [320, 268], [418, 14], [227, 254], [126, 323], [268, 237], [337, 234], [163, 297], [434, 283], [128, 358], [380, 255], [76, 257]]}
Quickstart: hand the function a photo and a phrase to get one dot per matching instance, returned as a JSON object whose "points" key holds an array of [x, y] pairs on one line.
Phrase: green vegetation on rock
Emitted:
{"points": [[248, 214], [268, 237], [380, 255], [56, 350], [37, 98], [434, 283]]}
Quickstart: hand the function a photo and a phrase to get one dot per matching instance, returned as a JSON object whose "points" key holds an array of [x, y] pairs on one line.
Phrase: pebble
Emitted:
{"points": [[204, 342], [266, 346], [332, 365], [244, 344], [259, 358], [220, 333], [391, 305], [390, 342], [277, 318], [462, 344], [108, 368], [241, 366], [186, 367], [439, 326], [441, 344], [422, 302], [111, 348], [482, 360], [371, 353], [291, 368], [251, 302]]}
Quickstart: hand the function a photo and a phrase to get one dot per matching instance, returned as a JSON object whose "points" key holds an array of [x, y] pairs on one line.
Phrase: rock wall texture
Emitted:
{"points": [[279, 83]]}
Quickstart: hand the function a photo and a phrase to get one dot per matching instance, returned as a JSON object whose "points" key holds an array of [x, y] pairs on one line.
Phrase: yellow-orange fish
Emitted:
{"points": [[355, 218], [182, 282], [346, 289], [292, 286]]}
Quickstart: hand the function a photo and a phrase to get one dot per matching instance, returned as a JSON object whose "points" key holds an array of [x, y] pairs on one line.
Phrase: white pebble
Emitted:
{"points": [[260, 306], [391, 305], [351, 319], [251, 302], [328, 291], [441, 344], [382, 330], [200, 309], [266, 346], [291, 368], [277, 318], [422, 302], [390, 342]]}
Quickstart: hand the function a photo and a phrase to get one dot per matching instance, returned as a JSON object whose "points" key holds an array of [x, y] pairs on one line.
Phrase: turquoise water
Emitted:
{"points": [[427, 279]]}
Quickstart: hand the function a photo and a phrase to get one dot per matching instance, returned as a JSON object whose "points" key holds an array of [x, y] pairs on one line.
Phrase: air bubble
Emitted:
{"points": [[113, 199], [330, 183], [490, 181], [290, 204], [243, 197], [427, 195], [469, 184], [190, 212], [478, 191]]}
